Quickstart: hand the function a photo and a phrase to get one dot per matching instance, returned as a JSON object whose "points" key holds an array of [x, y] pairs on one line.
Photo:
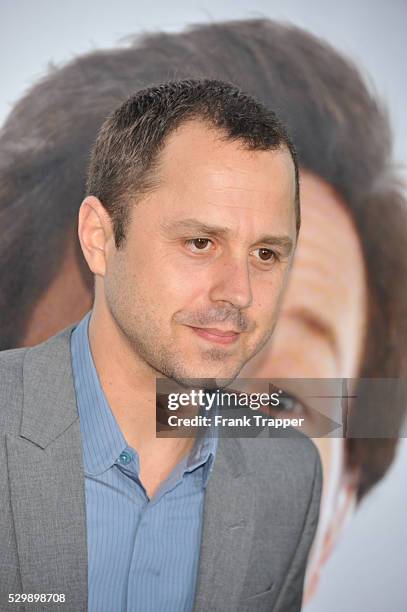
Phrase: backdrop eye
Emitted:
{"points": [[287, 403], [290, 403]]}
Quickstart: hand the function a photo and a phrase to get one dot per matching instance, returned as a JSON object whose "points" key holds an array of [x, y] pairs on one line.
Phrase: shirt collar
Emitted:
{"points": [[102, 438], [103, 441], [203, 453]]}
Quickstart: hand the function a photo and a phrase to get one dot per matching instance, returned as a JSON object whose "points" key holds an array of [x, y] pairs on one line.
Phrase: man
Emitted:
{"points": [[189, 228], [344, 312]]}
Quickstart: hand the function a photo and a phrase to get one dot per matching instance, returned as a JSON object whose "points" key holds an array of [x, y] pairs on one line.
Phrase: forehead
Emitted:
{"points": [[327, 290], [200, 169]]}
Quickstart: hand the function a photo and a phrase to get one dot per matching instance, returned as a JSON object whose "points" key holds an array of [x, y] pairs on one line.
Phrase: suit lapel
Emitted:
{"points": [[228, 525], [47, 480]]}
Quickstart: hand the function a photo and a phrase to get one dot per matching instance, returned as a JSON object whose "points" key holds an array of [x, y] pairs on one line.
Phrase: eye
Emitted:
{"points": [[266, 255], [290, 403], [198, 244]]}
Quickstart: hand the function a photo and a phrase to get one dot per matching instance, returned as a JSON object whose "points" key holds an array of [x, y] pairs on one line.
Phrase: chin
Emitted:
{"points": [[205, 378], [214, 368]]}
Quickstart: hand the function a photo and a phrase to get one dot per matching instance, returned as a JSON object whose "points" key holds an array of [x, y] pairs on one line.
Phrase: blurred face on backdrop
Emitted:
{"points": [[320, 334], [194, 290]]}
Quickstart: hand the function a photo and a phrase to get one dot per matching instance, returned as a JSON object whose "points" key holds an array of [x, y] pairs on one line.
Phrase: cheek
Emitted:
{"points": [[332, 454], [324, 446], [171, 285], [152, 273]]}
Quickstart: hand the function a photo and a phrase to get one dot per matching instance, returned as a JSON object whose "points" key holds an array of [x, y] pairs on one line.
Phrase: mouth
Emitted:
{"points": [[216, 336]]}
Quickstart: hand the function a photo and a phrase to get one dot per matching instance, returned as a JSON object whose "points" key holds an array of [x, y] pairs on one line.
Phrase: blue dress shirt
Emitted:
{"points": [[142, 553]]}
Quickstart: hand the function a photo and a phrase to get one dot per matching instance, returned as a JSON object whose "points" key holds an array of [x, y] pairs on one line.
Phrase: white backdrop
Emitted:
{"points": [[368, 569]]}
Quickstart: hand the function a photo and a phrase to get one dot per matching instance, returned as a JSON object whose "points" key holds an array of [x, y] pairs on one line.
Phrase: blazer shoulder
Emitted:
{"points": [[11, 388], [295, 454], [11, 362], [284, 473], [29, 363]]}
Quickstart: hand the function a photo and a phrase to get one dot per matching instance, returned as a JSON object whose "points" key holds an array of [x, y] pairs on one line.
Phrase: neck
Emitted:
{"points": [[128, 383], [127, 380]]}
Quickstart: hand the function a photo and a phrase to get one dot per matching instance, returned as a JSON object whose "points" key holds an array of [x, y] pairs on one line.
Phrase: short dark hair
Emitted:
{"points": [[124, 159], [341, 131]]}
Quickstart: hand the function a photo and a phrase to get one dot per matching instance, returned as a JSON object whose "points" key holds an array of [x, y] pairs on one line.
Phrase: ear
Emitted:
{"points": [[95, 231]]}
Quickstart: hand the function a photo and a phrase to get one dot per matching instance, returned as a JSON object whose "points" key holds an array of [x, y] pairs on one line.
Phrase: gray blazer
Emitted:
{"points": [[260, 511]]}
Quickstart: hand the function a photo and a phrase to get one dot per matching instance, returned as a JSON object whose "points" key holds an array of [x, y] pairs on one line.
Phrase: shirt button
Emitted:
{"points": [[125, 458]]}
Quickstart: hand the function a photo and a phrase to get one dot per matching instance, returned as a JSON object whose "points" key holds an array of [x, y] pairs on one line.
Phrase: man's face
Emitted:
{"points": [[196, 286]]}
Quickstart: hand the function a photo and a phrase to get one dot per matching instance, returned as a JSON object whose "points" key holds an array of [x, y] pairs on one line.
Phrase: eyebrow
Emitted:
{"points": [[317, 324], [284, 242]]}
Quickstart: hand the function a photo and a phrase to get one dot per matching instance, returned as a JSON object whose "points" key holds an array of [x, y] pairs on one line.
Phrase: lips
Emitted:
{"points": [[216, 335]]}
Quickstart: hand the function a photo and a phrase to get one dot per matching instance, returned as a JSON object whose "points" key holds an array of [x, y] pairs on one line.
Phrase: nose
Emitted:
{"points": [[231, 282]]}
